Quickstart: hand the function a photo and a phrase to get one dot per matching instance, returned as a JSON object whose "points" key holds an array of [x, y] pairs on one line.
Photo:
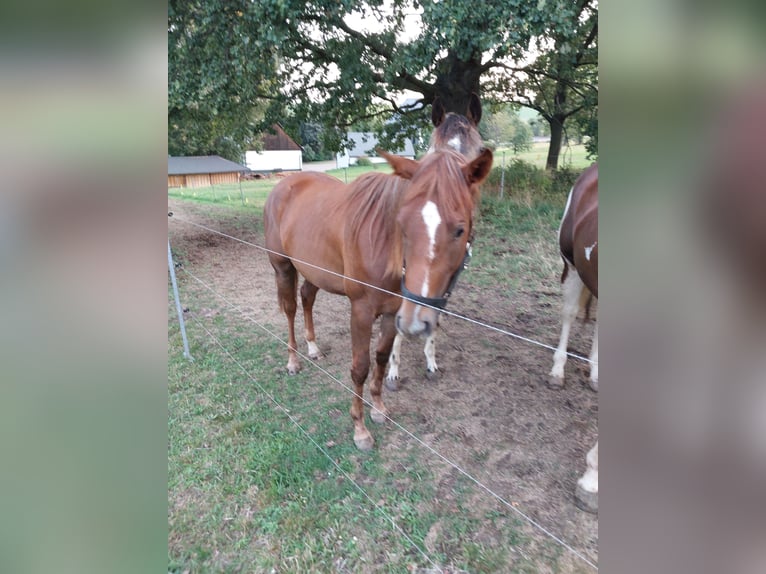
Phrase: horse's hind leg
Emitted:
{"points": [[571, 288], [287, 287], [308, 296], [382, 353]]}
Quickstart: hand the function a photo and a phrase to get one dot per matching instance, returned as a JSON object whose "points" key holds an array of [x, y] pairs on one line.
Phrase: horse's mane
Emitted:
{"points": [[457, 125], [376, 197], [440, 178]]}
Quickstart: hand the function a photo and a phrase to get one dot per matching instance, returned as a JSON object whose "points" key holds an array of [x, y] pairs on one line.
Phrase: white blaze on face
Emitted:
{"points": [[432, 219], [455, 143]]}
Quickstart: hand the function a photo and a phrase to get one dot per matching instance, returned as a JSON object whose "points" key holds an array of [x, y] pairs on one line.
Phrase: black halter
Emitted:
{"points": [[438, 302]]}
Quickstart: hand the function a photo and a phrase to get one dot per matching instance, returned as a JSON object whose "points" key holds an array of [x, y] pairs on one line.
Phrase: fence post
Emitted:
{"points": [[502, 177], [178, 304], [241, 193]]}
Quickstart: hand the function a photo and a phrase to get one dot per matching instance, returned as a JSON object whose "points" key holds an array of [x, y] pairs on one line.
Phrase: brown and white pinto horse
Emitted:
{"points": [[368, 230], [578, 242], [452, 131]]}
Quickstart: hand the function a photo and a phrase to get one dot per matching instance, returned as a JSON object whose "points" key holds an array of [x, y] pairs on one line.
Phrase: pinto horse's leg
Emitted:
{"points": [[594, 358], [392, 377], [361, 333], [571, 288], [382, 353], [287, 287], [308, 295], [586, 493]]}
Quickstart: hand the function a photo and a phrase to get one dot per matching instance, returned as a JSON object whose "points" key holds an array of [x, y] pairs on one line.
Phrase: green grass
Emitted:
{"points": [[248, 492], [573, 156], [252, 195]]}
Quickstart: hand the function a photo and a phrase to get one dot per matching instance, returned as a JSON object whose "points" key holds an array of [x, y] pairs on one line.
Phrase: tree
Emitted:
{"points": [[309, 60], [540, 127], [310, 137], [562, 82], [504, 126], [215, 79]]}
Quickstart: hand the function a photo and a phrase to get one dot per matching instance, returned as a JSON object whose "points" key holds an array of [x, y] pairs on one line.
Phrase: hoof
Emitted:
{"points": [[594, 385], [314, 353], [378, 416], [392, 384], [587, 501], [364, 442], [555, 382], [293, 369], [433, 375]]}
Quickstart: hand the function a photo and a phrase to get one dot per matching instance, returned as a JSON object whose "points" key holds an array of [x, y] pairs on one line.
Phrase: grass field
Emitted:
{"points": [[258, 480], [249, 492], [573, 156]]}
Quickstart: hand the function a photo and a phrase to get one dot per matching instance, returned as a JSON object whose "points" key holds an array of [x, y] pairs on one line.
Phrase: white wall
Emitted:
{"points": [[271, 160]]}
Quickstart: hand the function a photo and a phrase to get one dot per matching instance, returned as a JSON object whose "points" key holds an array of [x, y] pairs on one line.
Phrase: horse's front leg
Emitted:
{"points": [[361, 333], [385, 343], [392, 378], [429, 350], [586, 494]]}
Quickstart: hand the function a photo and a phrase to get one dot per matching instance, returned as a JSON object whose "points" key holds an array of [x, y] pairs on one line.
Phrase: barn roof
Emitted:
{"points": [[202, 164], [278, 141], [364, 143]]}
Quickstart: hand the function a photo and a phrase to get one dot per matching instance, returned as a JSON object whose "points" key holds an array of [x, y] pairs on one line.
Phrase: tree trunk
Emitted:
{"points": [[456, 80], [554, 148]]}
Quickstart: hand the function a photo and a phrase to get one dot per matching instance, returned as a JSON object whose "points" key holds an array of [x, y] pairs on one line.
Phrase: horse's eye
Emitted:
{"points": [[459, 232]]}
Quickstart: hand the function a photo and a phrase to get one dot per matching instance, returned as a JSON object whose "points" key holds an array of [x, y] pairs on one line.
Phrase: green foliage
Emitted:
{"points": [[562, 82], [236, 67], [215, 74], [504, 126], [531, 180], [310, 137], [363, 161]]}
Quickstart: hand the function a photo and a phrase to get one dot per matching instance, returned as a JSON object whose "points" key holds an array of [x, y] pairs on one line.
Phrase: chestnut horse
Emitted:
{"points": [[402, 232], [452, 131], [578, 241]]}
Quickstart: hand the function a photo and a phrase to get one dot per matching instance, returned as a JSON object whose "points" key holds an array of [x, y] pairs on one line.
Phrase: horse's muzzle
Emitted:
{"points": [[415, 320]]}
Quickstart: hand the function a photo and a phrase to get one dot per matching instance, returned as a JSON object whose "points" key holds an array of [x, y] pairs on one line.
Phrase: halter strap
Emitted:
{"points": [[438, 302]]}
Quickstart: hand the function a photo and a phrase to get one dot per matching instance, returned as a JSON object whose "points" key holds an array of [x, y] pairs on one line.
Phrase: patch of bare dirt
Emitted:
{"points": [[489, 410]]}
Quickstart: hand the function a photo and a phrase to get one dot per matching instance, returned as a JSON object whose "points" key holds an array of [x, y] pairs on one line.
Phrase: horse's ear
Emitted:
{"points": [[437, 112], [478, 169], [474, 109], [403, 167]]}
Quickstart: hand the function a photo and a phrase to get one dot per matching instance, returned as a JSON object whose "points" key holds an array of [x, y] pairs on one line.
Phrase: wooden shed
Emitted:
{"points": [[202, 171], [280, 153]]}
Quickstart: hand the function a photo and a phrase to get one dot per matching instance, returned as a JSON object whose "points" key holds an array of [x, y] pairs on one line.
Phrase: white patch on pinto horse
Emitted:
{"points": [[566, 209], [589, 250], [456, 144], [589, 480], [432, 219]]}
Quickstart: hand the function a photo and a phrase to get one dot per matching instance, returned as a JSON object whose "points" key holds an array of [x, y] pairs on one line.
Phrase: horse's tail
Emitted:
{"points": [[292, 275]]}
